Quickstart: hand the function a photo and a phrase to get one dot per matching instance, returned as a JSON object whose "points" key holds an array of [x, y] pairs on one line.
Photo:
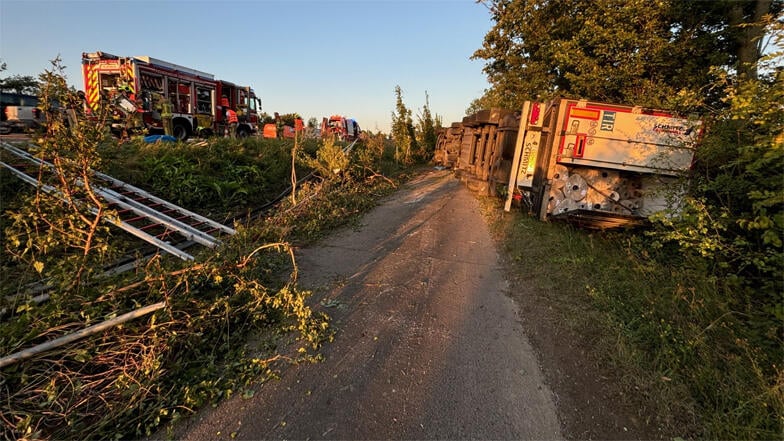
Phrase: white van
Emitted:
{"points": [[19, 112]]}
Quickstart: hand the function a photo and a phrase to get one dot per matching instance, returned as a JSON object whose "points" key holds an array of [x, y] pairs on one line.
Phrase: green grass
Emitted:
{"points": [[220, 176], [686, 340]]}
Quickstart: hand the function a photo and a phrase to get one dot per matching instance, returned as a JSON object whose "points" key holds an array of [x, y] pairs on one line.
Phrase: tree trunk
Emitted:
{"points": [[748, 36]]}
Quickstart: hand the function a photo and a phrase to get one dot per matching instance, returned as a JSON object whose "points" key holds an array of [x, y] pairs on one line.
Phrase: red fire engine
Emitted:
{"points": [[195, 101], [346, 129]]}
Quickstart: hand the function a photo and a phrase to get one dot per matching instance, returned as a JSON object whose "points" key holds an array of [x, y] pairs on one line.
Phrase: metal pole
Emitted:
{"points": [[43, 347]]}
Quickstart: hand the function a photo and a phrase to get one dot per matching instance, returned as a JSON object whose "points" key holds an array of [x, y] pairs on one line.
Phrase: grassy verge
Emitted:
{"points": [[664, 328], [221, 176]]}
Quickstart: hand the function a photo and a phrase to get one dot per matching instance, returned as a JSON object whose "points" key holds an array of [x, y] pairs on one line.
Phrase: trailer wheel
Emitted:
{"points": [[180, 131]]}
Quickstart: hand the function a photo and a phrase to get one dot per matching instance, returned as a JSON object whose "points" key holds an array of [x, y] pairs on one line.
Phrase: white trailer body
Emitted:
{"points": [[598, 163]]}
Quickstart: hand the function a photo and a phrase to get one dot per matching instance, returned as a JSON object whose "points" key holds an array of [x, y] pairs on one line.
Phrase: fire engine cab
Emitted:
{"points": [[195, 102], [346, 129]]}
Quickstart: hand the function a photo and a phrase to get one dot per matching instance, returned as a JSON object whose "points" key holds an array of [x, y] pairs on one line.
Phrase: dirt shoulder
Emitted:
{"points": [[592, 401]]}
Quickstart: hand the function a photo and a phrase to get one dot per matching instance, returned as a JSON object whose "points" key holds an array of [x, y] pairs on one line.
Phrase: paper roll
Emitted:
{"points": [[605, 181], [595, 199], [589, 174], [576, 188], [620, 209], [563, 206], [627, 206], [556, 197], [561, 172]]}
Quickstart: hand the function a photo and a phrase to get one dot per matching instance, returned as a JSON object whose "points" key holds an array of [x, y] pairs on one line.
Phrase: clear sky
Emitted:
{"points": [[315, 58]]}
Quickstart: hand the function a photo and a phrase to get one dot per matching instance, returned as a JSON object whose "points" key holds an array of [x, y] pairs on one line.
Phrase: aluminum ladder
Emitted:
{"points": [[138, 212]]}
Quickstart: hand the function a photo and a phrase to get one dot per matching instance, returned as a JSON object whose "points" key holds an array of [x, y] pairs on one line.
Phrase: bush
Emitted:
{"points": [[732, 225]]}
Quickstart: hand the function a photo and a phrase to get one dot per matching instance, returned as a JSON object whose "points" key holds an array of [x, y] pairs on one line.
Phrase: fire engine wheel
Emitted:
{"points": [[180, 131], [243, 132]]}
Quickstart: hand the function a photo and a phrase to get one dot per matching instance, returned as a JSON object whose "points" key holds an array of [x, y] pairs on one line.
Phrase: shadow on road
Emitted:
{"points": [[428, 344]]}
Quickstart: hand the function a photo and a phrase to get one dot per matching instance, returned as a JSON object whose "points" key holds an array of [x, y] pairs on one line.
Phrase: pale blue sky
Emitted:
{"points": [[312, 57]]}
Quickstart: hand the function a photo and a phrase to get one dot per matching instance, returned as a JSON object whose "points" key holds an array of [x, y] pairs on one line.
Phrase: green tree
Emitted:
{"points": [[403, 133], [625, 51], [492, 97], [266, 118], [288, 118], [20, 84], [23, 84], [68, 220], [737, 194], [746, 27], [733, 219], [427, 130]]}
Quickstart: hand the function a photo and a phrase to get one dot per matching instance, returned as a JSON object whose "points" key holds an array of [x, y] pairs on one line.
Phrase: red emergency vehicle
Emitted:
{"points": [[195, 101], [346, 129]]}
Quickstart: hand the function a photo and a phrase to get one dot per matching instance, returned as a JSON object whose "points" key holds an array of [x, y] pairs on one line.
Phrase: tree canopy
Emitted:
{"points": [[403, 132], [23, 84], [626, 51]]}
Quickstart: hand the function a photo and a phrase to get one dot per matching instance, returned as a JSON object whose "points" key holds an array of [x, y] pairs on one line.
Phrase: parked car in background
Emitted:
{"points": [[19, 112]]}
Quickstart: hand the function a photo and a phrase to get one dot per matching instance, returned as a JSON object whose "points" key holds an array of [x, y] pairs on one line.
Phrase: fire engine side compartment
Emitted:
{"points": [[190, 96]]}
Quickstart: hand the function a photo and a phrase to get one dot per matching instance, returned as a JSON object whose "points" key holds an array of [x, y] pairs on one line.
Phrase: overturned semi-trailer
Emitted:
{"points": [[599, 165]]}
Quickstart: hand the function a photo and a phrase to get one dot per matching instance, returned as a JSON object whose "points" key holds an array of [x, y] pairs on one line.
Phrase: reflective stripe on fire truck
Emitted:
{"points": [[93, 92], [127, 75]]}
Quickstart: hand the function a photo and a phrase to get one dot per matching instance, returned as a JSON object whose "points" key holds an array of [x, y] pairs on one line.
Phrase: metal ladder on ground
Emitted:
{"points": [[138, 212]]}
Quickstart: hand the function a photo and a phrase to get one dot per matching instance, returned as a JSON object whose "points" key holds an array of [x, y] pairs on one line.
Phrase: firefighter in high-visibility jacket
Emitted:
{"points": [[233, 121], [166, 116]]}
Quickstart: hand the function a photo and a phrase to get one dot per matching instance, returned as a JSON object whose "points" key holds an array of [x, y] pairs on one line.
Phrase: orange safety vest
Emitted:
{"points": [[231, 116]]}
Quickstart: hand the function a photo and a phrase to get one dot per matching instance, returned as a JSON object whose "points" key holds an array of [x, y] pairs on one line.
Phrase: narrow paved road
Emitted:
{"points": [[428, 344]]}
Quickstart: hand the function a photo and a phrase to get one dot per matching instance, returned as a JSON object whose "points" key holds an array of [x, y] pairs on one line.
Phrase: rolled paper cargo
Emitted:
{"points": [[556, 197], [576, 188], [565, 205], [591, 175], [595, 198], [561, 172], [625, 206]]}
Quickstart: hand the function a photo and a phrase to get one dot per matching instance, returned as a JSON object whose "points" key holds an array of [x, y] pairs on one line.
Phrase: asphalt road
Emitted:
{"points": [[428, 343]]}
